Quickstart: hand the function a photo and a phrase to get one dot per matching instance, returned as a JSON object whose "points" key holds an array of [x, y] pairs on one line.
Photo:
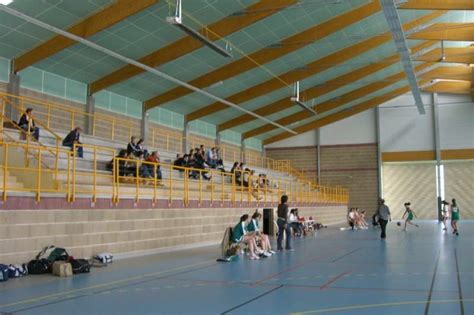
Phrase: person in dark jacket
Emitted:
{"points": [[27, 123], [282, 222], [133, 147], [73, 138]]}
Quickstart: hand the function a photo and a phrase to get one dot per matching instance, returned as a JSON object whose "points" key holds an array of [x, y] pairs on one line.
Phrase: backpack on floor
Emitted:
{"points": [[53, 253], [80, 265], [39, 266], [16, 271], [105, 258], [3, 273]]}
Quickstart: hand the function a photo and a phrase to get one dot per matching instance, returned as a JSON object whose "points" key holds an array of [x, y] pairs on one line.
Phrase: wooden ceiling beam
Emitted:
{"points": [[439, 5], [450, 87], [118, 11], [268, 54], [334, 103], [447, 32], [356, 109], [188, 44], [314, 68], [449, 73], [463, 55], [322, 89]]}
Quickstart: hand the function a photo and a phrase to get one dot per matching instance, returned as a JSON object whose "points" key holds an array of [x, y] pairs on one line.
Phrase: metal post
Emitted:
{"points": [[185, 137], [379, 152], [13, 88], [434, 104], [318, 156], [90, 121], [144, 125]]}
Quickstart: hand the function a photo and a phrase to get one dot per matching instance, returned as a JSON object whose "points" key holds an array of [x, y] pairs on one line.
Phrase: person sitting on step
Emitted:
{"points": [[73, 138], [27, 123]]}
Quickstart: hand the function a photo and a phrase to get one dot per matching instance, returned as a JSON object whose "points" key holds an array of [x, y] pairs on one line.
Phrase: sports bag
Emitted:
{"points": [[39, 266], [62, 269], [105, 258], [16, 271], [80, 265], [3, 273], [53, 254]]}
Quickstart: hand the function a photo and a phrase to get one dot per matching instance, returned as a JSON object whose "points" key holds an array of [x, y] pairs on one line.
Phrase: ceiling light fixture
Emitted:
{"points": [[177, 20], [6, 2], [296, 99]]}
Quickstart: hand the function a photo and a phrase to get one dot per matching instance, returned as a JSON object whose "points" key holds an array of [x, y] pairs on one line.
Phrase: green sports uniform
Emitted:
{"points": [[410, 216], [454, 213]]}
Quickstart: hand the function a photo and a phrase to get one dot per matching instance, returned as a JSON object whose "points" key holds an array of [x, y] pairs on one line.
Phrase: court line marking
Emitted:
{"points": [[334, 279], [362, 306], [427, 307], [253, 299], [461, 304], [340, 257], [102, 285]]}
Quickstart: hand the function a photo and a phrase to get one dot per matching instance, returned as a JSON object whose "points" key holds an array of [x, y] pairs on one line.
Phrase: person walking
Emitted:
{"points": [[454, 216], [283, 226], [383, 213], [445, 213]]}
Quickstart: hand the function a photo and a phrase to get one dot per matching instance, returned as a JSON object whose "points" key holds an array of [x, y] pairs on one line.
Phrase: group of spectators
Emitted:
{"points": [[136, 159], [199, 158]]}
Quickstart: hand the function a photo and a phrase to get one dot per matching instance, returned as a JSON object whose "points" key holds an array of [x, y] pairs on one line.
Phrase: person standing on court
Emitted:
{"points": [[384, 216], [282, 222]]}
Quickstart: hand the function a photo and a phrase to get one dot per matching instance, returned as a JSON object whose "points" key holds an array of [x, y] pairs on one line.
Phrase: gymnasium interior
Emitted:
{"points": [[138, 137]]}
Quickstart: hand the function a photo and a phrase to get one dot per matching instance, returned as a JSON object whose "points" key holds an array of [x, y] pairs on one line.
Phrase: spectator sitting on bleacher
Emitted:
{"points": [[199, 163], [211, 159], [154, 158], [141, 148], [27, 123], [122, 171], [241, 235], [180, 161], [219, 162], [237, 173], [133, 148], [73, 138]]}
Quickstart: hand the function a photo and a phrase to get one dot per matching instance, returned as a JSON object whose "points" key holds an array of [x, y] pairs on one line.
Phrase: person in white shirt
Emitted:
{"points": [[294, 223]]}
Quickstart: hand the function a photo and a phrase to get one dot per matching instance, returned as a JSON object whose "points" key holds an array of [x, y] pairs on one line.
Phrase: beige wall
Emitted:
{"points": [[410, 182], [350, 166], [459, 184]]}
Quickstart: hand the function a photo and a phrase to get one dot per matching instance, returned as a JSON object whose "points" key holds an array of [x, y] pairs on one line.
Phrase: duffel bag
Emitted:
{"points": [[39, 266], [105, 258], [3, 273], [80, 265], [16, 271]]}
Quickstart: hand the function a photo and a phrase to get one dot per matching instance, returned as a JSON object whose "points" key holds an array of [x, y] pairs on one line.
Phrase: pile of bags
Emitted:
{"points": [[54, 260]]}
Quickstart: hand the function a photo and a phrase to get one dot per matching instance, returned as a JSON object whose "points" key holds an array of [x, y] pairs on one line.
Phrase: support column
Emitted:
{"points": [[318, 156], [439, 172], [144, 126], [185, 137], [13, 88], [242, 151], [90, 109], [379, 153]]}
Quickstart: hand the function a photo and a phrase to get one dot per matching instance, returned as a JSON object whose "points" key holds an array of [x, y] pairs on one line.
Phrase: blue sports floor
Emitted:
{"points": [[422, 271]]}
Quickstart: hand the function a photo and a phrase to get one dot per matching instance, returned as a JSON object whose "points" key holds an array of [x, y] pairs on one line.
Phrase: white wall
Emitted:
{"points": [[356, 129], [302, 140], [402, 128], [456, 115]]}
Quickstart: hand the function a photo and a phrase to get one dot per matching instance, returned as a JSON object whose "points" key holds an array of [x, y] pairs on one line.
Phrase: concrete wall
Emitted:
{"points": [[123, 232]]}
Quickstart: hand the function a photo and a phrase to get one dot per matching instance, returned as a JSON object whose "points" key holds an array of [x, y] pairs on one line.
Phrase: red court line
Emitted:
{"points": [[291, 268], [327, 284]]}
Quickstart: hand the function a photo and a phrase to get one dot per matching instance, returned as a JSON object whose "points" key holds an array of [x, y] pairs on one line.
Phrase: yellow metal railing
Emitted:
{"points": [[59, 117], [127, 179]]}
